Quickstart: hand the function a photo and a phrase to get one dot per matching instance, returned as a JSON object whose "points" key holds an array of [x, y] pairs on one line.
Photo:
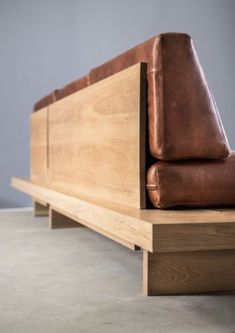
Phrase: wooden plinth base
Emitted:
{"points": [[185, 251], [60, 221], [188, 272], [40, 209]]}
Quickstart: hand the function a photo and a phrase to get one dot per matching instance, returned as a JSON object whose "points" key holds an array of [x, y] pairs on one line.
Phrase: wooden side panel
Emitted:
{"points": [[189, 272], [39, 147], [97, 140]]}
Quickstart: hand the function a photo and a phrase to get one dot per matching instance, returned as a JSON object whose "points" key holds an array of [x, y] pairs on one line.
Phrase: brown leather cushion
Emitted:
{"points": [[45, 101], [183, 119], [73, 87], [61, 93], [192, 184]]}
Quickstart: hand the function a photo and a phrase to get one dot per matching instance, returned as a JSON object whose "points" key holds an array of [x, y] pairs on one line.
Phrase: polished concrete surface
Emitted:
{"points": [[74, 280]]}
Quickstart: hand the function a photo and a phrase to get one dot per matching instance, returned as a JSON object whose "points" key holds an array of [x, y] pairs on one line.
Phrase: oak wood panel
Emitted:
{"points": [[194, 236], [39, 147], [189, 272], [111, 220], [97, 229], [151, 229], [97, 140], [188, 216]]}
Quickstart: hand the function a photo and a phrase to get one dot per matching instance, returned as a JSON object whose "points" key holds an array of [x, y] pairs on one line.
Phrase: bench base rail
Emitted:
{"points": [[181, 255]]}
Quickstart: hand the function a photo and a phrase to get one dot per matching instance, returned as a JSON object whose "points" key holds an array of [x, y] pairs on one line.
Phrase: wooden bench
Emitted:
{"points": [[88, 167]]}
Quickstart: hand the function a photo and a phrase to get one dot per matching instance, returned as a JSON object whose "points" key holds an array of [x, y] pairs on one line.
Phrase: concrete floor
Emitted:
{"points": [[74, 280]]}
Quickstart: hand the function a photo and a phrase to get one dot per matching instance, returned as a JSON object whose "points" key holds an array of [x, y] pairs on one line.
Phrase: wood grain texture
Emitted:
{"points": [[95, 228], [108, 219], [194, 236], [152, 229], [97, 140], [188, 216], [39, 147], [189, 272]]}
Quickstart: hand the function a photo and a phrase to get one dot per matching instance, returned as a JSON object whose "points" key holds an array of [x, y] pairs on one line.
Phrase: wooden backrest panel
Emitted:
{"points": [[39, 146], [97, 140]]}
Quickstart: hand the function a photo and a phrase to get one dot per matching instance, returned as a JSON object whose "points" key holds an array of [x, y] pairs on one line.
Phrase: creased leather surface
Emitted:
{"points": [[182, 116], [192, 183], [183, 119]]}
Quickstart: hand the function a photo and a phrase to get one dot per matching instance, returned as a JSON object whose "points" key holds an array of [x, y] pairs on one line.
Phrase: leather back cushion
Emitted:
{"points": [[45, 101], [63, 92], [73, 87], [184, 122]]}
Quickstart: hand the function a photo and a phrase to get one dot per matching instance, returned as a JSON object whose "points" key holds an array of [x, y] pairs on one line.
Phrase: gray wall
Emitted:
{"points": [[46, 44]]}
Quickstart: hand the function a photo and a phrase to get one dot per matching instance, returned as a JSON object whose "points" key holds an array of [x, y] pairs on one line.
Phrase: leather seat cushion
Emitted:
{"points": [[192, 184]]}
